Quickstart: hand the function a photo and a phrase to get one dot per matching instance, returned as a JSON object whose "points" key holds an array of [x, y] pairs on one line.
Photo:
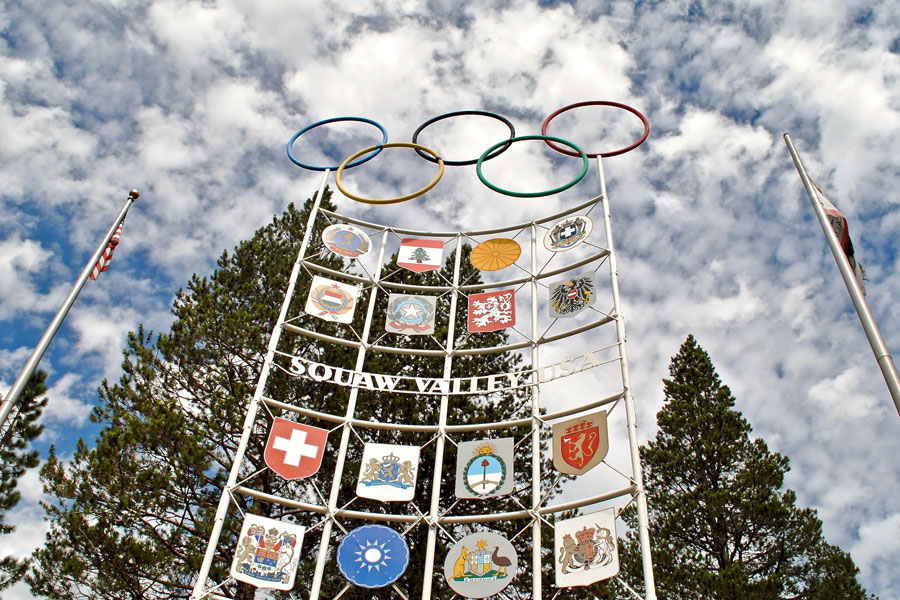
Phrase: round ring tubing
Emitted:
{"points": [[459, 113], [294, 160], [347, 162], [546, 138], [634, 111]]}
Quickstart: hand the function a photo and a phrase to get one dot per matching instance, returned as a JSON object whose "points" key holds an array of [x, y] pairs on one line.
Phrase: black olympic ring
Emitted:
{"points": [[459, 113], [598, 103]]}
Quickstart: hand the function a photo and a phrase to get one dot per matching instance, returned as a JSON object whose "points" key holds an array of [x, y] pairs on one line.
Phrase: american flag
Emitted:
{"points": [[105, 258]]}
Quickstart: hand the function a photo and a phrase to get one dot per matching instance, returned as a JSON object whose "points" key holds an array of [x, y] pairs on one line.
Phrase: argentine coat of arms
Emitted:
{"points": [[484, 468]]}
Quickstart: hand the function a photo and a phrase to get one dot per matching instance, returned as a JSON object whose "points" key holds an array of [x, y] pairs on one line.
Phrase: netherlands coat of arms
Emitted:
{"points": [[388, 472], [268, 552], [586, 550]]}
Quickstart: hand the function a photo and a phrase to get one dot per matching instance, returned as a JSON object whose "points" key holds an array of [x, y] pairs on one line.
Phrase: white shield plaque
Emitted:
{"points": [[586, 549], [388, 472], [268, 552], [484, 469]]}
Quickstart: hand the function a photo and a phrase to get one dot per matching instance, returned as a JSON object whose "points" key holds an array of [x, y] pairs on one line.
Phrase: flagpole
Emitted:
{"points": [[11, 399], [876, 341]]}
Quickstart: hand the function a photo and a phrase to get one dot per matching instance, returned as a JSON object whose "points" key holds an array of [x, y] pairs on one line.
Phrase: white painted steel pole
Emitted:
{"points": [[535, 427], [435, 510], [876, 341], [637, 475], [222, 510], [345, 434]]}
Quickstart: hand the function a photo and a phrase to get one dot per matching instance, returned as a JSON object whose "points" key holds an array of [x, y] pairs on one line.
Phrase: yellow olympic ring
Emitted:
{"points": [[337, 176]]}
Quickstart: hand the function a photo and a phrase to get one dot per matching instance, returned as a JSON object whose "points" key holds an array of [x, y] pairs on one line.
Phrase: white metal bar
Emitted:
{"points": [[224, 499], [434, 512], [535, 425], [637, 475]]}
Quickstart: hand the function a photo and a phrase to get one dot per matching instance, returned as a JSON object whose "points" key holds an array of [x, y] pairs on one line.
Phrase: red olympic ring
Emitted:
{"points": [[634, 111]]}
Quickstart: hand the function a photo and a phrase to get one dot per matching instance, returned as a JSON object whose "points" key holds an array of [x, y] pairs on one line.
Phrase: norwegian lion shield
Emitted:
{"points": [[580, 444]]}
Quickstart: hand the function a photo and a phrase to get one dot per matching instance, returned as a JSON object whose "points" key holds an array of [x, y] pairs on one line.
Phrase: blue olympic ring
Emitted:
{"points": [[332, 120]]}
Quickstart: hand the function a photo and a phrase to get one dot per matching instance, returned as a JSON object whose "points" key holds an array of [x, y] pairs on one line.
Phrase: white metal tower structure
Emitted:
{"points": [[594, 340]]}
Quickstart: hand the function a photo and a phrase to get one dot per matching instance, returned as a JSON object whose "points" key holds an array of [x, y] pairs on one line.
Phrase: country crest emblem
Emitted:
{"points": [[580, 444], [571, 295], [410, 315], [346, 240], [484, 469], [388, 472], [586, 549], [373, 556], [331, 300], [268, 552], [294, 450], [420, 255], [568, 233], [480, 565], [492, 311]]}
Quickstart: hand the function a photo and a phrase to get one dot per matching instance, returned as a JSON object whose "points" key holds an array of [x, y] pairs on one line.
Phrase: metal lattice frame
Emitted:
{"points": [[439, 515]]}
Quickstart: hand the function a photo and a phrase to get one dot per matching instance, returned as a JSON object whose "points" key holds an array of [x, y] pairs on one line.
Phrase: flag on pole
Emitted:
{"points": [[105, 258], [842, 231]]}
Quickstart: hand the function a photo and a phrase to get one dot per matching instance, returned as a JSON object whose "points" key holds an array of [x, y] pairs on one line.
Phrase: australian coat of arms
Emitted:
{"points": [[484, 468], [388, 472], [481, 564], [268, 552], [571, 295], [586, 550], [580, 444], [568, 233]]}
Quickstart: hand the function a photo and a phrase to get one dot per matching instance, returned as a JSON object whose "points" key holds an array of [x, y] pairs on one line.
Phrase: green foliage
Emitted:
{"points": [[720, 526], [132, 514], [15, 459]]}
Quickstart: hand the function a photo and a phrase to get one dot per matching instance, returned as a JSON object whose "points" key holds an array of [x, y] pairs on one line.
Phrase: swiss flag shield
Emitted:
{"points": [[295, 450]]}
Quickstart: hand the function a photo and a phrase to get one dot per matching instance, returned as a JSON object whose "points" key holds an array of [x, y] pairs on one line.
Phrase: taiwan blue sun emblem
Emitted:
{"points": [[372, 556]]}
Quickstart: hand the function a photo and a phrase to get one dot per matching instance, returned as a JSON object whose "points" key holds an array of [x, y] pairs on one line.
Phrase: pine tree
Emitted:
{"points": [[15, 459], [132, 514], [720, 525]]}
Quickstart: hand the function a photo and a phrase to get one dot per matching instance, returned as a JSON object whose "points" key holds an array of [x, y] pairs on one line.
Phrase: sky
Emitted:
{"points": [[193, 102]]}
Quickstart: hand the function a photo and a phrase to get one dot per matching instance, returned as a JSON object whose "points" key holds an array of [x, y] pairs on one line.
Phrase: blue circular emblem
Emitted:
{"points": [[373, 556]]}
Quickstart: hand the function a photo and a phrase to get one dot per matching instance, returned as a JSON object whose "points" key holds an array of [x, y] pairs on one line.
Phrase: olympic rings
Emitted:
{"points": [[344, 165], [598, 103], [332, 120], [534, 194], [462, 163]]}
